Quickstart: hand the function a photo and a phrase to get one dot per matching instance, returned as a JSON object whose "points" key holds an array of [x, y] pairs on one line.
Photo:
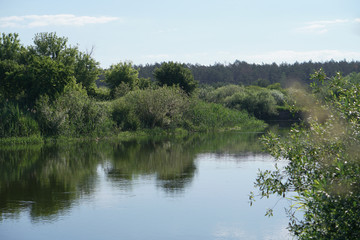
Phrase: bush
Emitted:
{"points": [[176, 74], [256, 101], [160, 107], [322, 170], [15, 122], [122, 72], [124, 116], [204, 116], [99, 93], [220, 94], [73, 113]]}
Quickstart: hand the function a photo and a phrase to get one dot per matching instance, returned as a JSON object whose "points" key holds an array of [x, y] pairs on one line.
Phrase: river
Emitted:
{"points": [[192, 188]]}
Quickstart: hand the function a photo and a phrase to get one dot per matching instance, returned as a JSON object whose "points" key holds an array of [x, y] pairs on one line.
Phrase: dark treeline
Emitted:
{"points": [[241, 72]]}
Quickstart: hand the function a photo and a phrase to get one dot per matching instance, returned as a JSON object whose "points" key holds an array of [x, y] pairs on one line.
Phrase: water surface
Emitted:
{"points": [[195, 188]]}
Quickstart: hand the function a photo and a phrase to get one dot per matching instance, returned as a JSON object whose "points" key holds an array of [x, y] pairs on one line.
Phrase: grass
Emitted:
{"points": [[35, 139], [122, 136]]}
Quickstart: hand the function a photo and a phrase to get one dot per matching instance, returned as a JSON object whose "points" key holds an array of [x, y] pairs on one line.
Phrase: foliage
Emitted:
{"points": [[171, 74], [43, 68], [100, 93], [10, 47], [158, 107], [121, 73], [46, 77], [16, 122], [86, 70], [323, 167], [124, 115], [72, 114], [12, 78], [58, 81], [240, 72], [208, 116], [259, 102], [218, 95]]}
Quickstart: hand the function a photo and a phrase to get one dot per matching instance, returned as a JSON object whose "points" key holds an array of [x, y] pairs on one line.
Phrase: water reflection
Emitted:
{"points": [[45, 180], [48, 180], [171, 162]]}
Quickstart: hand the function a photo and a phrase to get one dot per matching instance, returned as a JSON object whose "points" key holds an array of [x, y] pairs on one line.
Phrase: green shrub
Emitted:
{"points": [[321, 173], [220, 94], [124, 116], [204, 116], [99, 93], [160, 107], [73, 113], [121, 90], [259, 102], [16, 122]]}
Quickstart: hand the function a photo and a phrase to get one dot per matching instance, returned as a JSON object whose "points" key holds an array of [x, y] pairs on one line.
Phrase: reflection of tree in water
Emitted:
{"points": [[45, 180], [171, 162]]}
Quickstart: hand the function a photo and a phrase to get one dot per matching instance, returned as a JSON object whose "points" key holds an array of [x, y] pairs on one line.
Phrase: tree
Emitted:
{"points": [[122, 72], [86, 70], [12, 79], [10, 47], [10, 68], [50, 45], [43, 68], [171, 73], [43, 76], [323, 167]]}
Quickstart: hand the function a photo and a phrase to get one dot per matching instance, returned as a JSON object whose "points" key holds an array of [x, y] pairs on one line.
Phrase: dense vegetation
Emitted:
{"points": [[258, 74], [48, 89], [323, 168]]}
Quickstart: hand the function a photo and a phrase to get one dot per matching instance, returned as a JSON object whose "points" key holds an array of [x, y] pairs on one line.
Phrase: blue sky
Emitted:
{"points": [[194, 31]]}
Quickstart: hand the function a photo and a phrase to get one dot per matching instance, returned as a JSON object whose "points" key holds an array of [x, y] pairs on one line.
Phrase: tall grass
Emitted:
{"points": [[16, 122], [202, 116]]}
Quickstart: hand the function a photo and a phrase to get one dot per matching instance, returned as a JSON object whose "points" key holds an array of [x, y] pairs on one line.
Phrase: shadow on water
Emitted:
{"points": [[47, 180]]}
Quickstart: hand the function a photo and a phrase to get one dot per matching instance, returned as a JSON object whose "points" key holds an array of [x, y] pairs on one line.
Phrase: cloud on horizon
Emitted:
{"points": [[32, 21], [320, 27]]}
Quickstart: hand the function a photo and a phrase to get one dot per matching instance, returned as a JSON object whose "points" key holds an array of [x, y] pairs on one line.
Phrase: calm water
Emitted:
{"points": [[155, 189]]}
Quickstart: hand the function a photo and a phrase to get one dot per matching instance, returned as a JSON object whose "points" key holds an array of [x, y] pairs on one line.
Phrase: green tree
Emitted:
{"points": [[121, 73], [83, 67], [323, 167], [12, 79], [11, 70], [171, 73], [50, 45], [46, 77], [10, 46], [86, 70]]}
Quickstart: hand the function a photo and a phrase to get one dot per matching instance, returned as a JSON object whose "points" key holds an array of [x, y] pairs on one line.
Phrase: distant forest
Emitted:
{"points": [[244, 73]]}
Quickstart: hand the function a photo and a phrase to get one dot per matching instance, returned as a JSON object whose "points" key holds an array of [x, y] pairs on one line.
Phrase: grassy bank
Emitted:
{"points": [[256, 126]]}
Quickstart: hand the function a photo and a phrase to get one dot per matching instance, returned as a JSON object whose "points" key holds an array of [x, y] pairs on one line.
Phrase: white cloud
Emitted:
{"points": [[321, 27], [31, 21]]}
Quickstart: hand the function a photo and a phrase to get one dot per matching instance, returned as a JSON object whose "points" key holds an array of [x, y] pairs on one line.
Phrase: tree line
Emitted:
{"points": [[49, 89], [240, 72]]}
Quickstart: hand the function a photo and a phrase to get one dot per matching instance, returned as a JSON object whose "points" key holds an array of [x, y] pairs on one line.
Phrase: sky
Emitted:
{"points": [[194, 31]]}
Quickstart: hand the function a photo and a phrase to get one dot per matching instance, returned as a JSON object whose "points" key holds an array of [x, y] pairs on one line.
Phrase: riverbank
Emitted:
{"points": [[128, 135]]}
